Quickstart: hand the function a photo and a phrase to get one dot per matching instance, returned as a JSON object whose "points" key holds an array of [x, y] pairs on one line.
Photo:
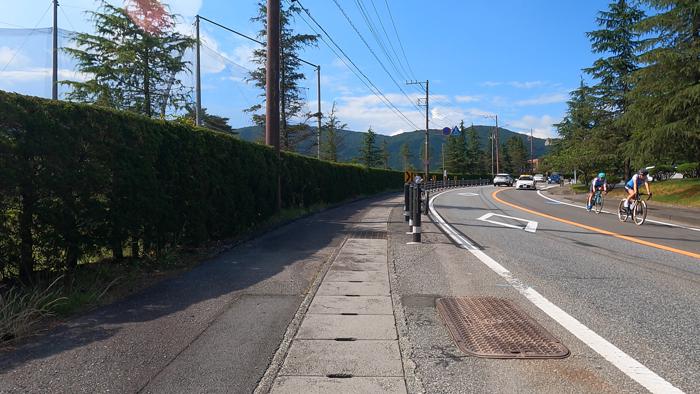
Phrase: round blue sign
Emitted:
{"points": [[446, 131]]}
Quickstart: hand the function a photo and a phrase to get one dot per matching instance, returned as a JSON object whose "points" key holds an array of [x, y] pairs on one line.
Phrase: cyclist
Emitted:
{"points": [[632, 186], [598, 183]]}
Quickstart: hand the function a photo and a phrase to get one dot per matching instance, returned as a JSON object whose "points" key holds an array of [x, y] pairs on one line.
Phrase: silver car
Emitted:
{"points": [[503, 179]]}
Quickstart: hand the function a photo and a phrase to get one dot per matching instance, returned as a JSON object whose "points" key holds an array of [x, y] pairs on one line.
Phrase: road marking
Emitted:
{"points": [[598, 230], [468, 194], [530, 227], [553, 201], [628, 365]]}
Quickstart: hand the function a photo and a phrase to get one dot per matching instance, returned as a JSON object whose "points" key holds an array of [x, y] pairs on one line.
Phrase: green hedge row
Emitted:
{"points": [[79, 180]]}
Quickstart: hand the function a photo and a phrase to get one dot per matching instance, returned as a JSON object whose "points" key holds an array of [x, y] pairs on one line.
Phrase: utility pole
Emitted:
{"points": [[497, 146], [494, 141], [272, 93], [426, 159], [318, 114], [54, 74], [198, 80], [532, 162]]}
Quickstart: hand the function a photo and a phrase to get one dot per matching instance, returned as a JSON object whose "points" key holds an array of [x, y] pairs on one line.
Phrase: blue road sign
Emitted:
{"points": [[456, 131], [446, 131]]}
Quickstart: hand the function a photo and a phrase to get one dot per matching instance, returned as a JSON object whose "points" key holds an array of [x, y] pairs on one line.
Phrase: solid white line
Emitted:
{"points": [[628, 365], [614, 213]]}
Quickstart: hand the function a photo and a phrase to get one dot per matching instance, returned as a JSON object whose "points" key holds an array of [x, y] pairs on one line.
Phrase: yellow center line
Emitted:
{"points": [[597, 230]]}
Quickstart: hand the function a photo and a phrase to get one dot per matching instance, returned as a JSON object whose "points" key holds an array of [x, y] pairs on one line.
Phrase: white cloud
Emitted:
{"points": [[39, 74], [550, 98], [515, 84], [8, 55], [542, 126], [466, 99]]}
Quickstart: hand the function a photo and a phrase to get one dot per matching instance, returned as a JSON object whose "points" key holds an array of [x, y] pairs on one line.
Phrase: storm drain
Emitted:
{"points": [[367, 234], [496, 328]]}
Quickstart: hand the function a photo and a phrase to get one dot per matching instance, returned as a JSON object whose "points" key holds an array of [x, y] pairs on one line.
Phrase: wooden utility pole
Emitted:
{"points": [[532, 161], [497, 146], [318, 114], [54, 74], [272, 88], [198, 80]]}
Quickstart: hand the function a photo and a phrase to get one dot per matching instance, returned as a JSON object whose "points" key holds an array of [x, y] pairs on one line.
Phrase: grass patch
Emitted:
{"points": [[680, 192], [23, 309]]}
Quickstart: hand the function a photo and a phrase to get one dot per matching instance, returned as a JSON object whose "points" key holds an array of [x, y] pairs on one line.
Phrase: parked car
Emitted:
{"points": [[503, 179], [539, 178], [554, 178], [525, 182]]}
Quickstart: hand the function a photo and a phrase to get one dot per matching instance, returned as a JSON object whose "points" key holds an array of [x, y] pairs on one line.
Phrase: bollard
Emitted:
{"points": [[417, 218], [406, 198], [410, 207], [426, 203]]}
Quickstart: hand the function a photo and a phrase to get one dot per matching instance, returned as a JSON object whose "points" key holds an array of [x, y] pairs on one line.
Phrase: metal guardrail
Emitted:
{"points": [[417, 197]]}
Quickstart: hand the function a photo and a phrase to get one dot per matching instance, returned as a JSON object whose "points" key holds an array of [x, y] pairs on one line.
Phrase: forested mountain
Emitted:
{"points": [[352, 140]]}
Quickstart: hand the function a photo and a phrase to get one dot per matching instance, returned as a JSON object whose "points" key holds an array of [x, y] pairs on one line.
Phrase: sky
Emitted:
{"points": [[514, 59]]}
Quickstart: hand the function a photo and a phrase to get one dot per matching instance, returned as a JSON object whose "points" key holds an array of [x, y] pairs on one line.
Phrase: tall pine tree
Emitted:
{"points": [[291, 74], [370, 155], [665, 109], [332, 137], [132, 61]]}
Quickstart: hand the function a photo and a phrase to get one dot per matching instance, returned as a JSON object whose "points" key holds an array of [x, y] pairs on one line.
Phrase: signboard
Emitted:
{"points": [[456, 131], [446, 131], [408, 176]]}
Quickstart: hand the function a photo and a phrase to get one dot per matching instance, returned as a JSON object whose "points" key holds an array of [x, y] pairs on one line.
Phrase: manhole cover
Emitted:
{"points": [[496, 328], [368, 234]]}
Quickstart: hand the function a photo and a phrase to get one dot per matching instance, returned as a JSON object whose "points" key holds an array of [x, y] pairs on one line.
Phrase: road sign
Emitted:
{"points": [[407, 176], [456, 131], [446, 131]]}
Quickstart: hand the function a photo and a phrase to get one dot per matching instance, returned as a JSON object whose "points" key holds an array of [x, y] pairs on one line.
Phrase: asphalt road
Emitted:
{"points": [[642, 298]]}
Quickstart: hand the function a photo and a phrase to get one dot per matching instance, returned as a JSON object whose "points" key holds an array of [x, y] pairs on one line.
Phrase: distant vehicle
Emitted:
{"points": [[525, 182], [503, 179], [539, 178], [554, 178]]}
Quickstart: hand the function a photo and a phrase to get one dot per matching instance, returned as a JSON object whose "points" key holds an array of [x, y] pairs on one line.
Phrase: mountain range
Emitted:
{"points": [[352, 140]]}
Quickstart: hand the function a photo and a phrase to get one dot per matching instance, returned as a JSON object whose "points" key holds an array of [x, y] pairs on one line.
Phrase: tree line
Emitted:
{"points": [[643, 105]]}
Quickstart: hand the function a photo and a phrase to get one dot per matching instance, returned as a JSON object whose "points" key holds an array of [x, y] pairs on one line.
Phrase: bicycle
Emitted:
{"points": [[637, 209], [597, 201]]}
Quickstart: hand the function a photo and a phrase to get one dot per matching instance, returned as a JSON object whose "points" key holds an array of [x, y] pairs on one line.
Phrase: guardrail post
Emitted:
{"points": [[417, 217], [406, 201]]}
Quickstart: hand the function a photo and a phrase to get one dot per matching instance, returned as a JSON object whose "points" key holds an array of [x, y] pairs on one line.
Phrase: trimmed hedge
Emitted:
{"points": [[78, 180]]}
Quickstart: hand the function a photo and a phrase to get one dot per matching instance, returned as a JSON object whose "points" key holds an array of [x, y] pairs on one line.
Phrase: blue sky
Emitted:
{"points": [[514, 59]]}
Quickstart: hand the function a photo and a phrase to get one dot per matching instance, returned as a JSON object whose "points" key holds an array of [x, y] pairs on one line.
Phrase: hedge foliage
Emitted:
{"points": [[79, 180], [689, 170]]}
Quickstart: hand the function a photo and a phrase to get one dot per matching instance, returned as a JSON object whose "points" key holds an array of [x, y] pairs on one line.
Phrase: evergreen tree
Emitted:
{"points": [[332, 139], [370, 155], [506, 162], [456, 152], [291, 94], [474, 154], [213, 122], [131, 67], [386, 155], [620, 43], [517, 155], [665, 101], [406, 157]]}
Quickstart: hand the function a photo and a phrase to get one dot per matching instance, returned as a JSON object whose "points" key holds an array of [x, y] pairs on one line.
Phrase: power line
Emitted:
{"points": [[398, 38], [356, 70], [374, 54], [377, 37]]}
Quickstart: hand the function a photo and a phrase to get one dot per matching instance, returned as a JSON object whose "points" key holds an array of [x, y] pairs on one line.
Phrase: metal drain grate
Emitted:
{"points": [[367, 234], [496, 328]]}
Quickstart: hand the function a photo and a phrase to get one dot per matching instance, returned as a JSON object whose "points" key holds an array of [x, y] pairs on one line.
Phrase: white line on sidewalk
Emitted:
{"points": [[539, 192], [628, 365]]}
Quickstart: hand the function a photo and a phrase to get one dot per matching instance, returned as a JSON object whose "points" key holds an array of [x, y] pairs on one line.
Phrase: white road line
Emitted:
{"points": [[615, 213], [628, 365], [530, 227]]}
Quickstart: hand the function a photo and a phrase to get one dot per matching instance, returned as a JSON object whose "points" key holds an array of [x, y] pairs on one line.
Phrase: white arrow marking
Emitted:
{"points": [[468, 194], [530, 227]]}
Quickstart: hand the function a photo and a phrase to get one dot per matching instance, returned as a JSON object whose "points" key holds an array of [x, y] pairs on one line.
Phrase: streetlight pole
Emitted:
{"points": [[198, 79], [54, 59]]}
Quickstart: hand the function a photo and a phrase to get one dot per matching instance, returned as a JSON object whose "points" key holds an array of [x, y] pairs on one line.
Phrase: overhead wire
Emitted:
{"points": [[375, 55], [377, 37], [345, 59], [26, 39], [398, 38]]}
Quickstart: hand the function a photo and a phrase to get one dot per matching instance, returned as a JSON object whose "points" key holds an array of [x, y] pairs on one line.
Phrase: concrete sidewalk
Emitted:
{"points": [[217, 327], [665, 212]]}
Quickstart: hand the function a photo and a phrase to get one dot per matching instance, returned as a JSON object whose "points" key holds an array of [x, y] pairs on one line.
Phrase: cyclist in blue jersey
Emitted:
{"points": [[598, 183], [632, 186]]}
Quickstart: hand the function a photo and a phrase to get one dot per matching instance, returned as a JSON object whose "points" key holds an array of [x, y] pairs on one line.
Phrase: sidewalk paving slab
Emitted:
{"points": [[347, 326], [366, 305], [322, 385], [344, 288]]}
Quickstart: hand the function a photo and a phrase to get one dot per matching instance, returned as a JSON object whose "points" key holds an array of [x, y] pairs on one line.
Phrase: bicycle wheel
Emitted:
{"points": [[622, 212], [598, 207], [640, 212]]}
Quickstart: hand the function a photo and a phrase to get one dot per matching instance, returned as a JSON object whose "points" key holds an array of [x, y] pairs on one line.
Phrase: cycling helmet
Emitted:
{"points": [[644, 171], [601, 175]]}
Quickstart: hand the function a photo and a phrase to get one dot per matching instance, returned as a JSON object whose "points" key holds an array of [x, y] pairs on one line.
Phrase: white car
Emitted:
{"points": [[539, 178], [525, 182], [503, 179]]}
